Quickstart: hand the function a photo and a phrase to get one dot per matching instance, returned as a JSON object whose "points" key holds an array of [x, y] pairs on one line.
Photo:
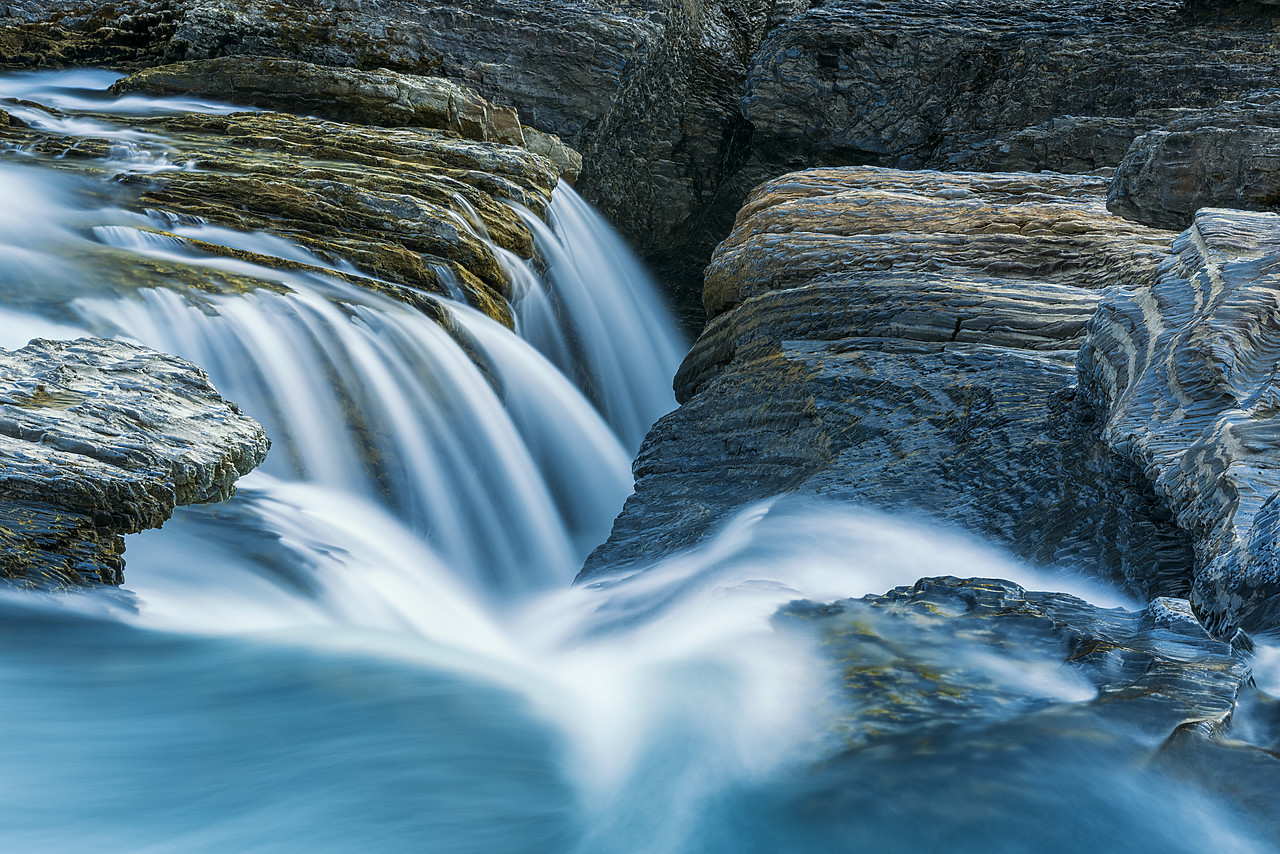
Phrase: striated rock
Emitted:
{"points": [[680, 108], [1228, 156], [383, 98], [908, 340], [1185, 372], [102, 438], [396, 203]]}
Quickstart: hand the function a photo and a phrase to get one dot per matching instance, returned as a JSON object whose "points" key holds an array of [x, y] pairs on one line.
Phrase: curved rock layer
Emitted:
{"points": [[908, 340], [102, 438], [1185, 371]]}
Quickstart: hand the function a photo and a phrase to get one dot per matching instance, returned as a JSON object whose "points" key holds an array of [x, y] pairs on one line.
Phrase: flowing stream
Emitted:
{"points": [[376, 647]]}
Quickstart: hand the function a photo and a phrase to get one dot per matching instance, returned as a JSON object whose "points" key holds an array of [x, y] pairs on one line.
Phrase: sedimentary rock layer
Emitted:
{"points": [[383, 98], [1227, 156], [908, 340], [101, 438], [406, 206], [680, 108]]}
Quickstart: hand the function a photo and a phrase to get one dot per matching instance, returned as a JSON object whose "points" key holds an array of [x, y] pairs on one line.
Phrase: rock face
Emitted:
{"points": [[908, 340], [680, 108], [1228, 156], [1000, 352], [99, 439], [1185, 371]]}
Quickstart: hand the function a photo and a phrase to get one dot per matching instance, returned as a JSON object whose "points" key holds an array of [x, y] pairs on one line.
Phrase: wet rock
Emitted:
{"points": [[951, 695], [349, 95], [395, 202], [1184, 371], [908, 340], [945, 655], [681, 108], [102, 438], [1228, 156]]}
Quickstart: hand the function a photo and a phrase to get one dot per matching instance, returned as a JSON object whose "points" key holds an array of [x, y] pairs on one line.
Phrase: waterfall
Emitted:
{"points": [[375, 645]]}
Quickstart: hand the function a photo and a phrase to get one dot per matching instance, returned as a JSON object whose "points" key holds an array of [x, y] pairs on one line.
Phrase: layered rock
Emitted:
{"points": [[1185, 372], [1228, 156], [102, 438], [908, 340], [680, 108], [349, 95], [417, 211]]}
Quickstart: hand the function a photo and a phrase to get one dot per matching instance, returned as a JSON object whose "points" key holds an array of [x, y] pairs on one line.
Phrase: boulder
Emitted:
{"points": [[102, 438]]}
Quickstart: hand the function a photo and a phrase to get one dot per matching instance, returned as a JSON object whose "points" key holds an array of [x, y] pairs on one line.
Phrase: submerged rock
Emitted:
{"points": [[102, 438], [950, 653], [952, 695]]}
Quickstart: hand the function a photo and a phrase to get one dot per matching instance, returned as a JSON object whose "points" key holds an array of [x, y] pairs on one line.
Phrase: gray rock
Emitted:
{"points": [[958, 694], [1185, 372], [907, 340], [949, 653], [102, 438], [1228, 156], [680, 108]]}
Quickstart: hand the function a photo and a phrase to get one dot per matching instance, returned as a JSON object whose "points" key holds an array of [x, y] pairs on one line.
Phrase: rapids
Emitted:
{"points": [[376, 646]]}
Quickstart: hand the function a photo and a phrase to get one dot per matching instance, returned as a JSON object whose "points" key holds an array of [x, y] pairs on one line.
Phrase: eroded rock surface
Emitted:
{"points": [[102, 438], [1228, 156], [349, 95], [681, 108], [1185, 371], [908, 340]]}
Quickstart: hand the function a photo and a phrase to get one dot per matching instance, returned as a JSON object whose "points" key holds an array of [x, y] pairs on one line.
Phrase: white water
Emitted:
{"points": [[374, 647]]}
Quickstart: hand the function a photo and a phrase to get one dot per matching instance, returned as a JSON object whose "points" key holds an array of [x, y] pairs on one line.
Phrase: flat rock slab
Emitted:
{"points": [[384, 98], [101, 438]]}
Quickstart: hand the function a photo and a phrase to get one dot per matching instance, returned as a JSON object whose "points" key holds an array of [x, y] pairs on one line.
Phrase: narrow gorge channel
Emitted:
{"points": [[376, 645]]}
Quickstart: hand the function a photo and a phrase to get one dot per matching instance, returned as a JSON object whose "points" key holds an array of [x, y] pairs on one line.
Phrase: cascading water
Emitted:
{"points": [[375, 647]]}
